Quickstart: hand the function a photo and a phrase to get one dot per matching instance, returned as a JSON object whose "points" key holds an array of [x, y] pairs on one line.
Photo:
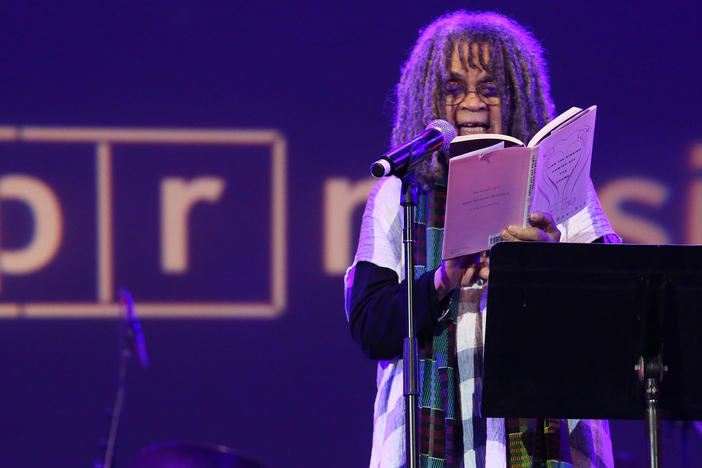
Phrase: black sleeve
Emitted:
{"points": [[378, 310]]}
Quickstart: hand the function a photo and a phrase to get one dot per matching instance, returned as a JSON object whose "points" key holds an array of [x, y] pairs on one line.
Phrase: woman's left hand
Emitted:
{"points": [[542, 229]]}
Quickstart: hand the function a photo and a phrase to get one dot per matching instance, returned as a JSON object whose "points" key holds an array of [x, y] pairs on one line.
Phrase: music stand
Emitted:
{"points": [[568, 324]]}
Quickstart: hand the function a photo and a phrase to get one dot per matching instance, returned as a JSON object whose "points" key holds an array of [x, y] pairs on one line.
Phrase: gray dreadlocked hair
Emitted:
{"points": [[515, 60]]}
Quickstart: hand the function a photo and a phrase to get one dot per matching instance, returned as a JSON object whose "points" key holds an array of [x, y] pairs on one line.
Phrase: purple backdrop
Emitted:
{"points": [[292, 390]]}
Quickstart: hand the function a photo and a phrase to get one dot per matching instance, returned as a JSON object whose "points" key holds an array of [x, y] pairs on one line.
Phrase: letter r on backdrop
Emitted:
{"points": [[177, 199]]}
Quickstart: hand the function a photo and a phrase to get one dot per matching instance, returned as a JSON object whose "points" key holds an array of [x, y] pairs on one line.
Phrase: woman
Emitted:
{"points": [[484, 73]]}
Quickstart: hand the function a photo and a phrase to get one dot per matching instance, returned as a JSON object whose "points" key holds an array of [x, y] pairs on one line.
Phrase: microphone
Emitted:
{"points": [[436, 137], [133, 323]]}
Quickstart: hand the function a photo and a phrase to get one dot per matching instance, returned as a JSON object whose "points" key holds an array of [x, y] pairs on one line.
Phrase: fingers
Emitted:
{"points": [[479, 270], [545, 222], [528, 234], [484, 273], [452, 272], [468, 275], [484, 266], [542, 229]]}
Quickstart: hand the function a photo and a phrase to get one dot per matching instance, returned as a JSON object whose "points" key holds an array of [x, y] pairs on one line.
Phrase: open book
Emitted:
{"points": [[495, 180]]}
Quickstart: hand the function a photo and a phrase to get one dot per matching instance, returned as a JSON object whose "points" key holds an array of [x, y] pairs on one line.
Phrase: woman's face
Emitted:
{"points": [[473, 99]]}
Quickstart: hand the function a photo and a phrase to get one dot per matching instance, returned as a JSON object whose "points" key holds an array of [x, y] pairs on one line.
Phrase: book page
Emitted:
{"points": [[563, 169], [472, 143], [486, 193], [553, 125], [489, 149]]}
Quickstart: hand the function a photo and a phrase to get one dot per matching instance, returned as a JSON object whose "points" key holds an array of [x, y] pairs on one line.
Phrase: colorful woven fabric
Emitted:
{"points": [[440, 414], [537, 443]]}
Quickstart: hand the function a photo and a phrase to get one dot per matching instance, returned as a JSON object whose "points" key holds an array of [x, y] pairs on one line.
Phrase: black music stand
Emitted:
{"points": [[570, 325]]}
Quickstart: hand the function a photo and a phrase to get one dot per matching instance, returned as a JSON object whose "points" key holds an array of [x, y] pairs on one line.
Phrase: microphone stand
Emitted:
{"points": [[398, 162], [410, 357], [126, 353]]}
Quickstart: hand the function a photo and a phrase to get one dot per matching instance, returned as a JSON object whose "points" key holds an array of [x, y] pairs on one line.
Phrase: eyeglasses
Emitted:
{"points": [[456, 93]]}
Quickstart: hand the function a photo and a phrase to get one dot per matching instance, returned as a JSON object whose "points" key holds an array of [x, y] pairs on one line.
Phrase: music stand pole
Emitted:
{"points": [[650, 373]]}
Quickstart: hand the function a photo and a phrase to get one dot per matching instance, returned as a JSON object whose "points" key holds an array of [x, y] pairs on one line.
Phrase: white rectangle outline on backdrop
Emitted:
{"points": [[103, 138]]}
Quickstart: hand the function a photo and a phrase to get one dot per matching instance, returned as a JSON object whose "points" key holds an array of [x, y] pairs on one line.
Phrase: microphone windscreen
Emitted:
{"points": [[446, 130]]}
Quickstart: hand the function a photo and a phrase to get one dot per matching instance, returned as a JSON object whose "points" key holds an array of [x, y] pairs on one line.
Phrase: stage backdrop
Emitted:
{"points": [[213, 158]]}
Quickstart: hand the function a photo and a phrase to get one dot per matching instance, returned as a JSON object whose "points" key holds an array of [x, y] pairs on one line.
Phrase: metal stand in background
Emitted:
{"points": [[124, 356], [410, 357], [131, 340]]}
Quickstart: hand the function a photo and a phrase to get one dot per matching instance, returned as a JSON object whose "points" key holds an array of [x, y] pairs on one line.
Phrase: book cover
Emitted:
{"points": [[478, 206]]}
